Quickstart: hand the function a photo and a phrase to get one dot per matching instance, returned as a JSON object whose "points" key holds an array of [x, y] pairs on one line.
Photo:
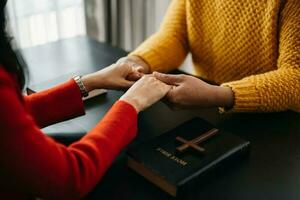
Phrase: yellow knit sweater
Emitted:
{"points": [[252, 46]]}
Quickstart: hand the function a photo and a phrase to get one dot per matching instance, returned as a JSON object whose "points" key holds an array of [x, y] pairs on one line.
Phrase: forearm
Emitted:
{"points": [[46, 169], [56, 104]]}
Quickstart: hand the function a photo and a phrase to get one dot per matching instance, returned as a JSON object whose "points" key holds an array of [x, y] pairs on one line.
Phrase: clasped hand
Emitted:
{"points": [[191, 92], [144, 90], [180, 91]]}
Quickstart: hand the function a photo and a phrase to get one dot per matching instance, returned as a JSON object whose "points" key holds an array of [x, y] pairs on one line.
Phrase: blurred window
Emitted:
{"points": [[35, 22]]}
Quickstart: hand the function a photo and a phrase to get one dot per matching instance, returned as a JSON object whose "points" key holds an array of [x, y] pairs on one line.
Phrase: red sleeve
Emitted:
{"points": [[56, 104], [33, 164]]}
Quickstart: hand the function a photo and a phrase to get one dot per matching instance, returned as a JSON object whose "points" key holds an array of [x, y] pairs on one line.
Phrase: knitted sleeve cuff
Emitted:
{"points": [[246, 97]]}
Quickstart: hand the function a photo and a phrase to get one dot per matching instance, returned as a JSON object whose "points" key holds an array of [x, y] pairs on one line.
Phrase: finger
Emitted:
{"points": [[134, 76], [168, 79], [127, 84], [140, 69], [168, 88], [170, 104], [172, 93]]}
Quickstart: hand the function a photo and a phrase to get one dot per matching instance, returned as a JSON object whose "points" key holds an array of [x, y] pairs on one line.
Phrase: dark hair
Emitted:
{"points": [[11, 61]]}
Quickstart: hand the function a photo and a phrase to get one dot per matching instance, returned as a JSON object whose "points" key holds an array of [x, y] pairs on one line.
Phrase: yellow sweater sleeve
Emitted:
{"points": [[167, 49], [280, 89]]}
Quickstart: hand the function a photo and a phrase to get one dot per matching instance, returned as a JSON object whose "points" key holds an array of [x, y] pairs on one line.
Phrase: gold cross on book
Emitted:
{"points": [[194, 143]]}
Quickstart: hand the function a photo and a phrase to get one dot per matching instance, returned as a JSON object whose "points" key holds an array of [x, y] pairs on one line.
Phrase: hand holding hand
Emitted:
{"points": [[145, 92], [113, 77], [188, 91], [134, 61]]}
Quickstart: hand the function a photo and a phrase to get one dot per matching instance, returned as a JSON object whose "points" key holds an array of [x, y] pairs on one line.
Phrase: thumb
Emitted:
{"points": [[140, 69], [134, 74], [167, 78]]}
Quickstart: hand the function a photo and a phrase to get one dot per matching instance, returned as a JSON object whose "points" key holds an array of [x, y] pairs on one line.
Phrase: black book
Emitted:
{"points": [[176, 160]]}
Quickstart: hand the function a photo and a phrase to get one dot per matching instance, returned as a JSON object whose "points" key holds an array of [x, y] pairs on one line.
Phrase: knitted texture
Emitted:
{"points": [[252, 46]]}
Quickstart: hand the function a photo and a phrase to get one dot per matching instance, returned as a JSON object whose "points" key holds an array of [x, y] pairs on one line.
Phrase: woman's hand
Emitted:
{"points": [[136, 62], [114, 77], [189, 92], [145, 92]]}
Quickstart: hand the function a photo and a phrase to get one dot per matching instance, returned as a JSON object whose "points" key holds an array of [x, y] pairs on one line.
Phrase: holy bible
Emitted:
{"points": [[178, 159]]}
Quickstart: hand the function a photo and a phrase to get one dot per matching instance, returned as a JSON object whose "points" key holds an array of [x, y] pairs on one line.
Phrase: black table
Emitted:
{"points": [[272, 170]]}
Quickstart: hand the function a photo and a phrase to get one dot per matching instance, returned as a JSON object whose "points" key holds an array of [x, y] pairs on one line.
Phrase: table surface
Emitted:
{"points": [[272, 170]]}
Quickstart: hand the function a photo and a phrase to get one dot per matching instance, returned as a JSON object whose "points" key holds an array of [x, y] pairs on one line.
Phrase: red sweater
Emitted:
{"points": [[34, 165]]}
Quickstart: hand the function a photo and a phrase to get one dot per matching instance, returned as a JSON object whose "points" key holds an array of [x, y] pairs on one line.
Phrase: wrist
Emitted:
{"points": [[78, 80], [132, 101], [89, 82], [223, 96]]}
